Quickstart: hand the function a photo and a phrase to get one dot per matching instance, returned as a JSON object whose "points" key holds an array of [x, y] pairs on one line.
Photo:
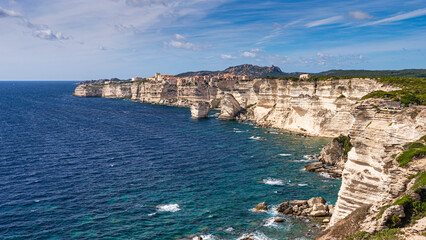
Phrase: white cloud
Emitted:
{"points": [[227, 56], [9, 13], [39, 30], [359, 15], [325, 21], [141, 3], [412, 14], [180, 41], [127, 29], [249, 54], [47, 34]]}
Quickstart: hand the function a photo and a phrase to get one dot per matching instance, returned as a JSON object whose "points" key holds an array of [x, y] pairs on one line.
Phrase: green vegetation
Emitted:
{"points": [[387, 234], [341, 96], [413, 90], [368, 124], [119, 82], [412, 73], [412, 150], [420, 181], [251, 105], [382, 211], [415, 151], [345, 142], [403, 200]]}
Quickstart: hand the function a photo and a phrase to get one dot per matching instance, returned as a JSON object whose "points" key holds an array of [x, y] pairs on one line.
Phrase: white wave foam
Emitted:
{"points": [[256, 236], [206, 237], [152, 214], [272, 181], [302, 160], [230, 229], [168, 208], [323, 174], [273, 210], [270, 222], [258, 138], [302, 184], [285, 154]]}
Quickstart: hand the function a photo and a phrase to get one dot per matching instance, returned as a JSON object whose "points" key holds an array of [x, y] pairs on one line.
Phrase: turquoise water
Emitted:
{"points": [[92, 168]]}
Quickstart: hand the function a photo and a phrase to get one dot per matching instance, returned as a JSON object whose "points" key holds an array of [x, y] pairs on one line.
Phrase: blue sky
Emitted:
{"points": [[82, 39]]}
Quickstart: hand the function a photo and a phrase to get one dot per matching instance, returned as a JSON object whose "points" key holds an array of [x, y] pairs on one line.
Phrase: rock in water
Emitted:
{"points": [[200, 109], [261, 207], [230, 107], [314, 200]]}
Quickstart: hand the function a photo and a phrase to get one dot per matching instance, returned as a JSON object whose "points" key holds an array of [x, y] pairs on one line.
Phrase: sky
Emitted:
{"points": [[93, 39]]}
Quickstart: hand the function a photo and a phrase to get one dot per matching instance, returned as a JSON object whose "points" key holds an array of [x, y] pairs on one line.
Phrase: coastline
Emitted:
{"points": [[316, 109]]}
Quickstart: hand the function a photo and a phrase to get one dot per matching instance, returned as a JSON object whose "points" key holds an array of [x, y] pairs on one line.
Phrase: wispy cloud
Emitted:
{"points": [[9, 13], [122, 28], [227, 56], [249, 54], [180, 41], [359, 15], [330, 60], [326, 21], [412, 14], [39, 31]]}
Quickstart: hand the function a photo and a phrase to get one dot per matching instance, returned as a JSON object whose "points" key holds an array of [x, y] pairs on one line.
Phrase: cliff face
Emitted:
{"points": [[322, 108], [371, 175], [378, 128]]}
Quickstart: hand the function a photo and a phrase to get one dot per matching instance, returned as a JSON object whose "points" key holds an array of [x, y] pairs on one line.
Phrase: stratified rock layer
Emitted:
{"points": [[377, 128], [230, 107], [200, 109]]}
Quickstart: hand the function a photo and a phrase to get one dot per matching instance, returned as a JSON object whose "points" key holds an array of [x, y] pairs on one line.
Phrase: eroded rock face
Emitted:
{"points": [[229, 107], [371, 175], [200, 109], [314, 207]]}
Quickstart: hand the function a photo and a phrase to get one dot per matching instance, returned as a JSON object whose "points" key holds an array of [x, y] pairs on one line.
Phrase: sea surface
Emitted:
{"points": [[93, 168]]}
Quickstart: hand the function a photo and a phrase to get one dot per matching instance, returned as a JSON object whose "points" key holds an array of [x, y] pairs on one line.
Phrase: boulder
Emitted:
{"points": [[279, 220], [333, 154], [319, 210], [314, 200], [330, 209], [200, 109], [285, 208], [298, 202], [396, 210], [229, 107], [261, 207], [313, 166], [307, 212]]}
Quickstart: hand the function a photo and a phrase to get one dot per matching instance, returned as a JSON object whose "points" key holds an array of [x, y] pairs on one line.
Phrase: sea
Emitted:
{"points": [[95, 168]]}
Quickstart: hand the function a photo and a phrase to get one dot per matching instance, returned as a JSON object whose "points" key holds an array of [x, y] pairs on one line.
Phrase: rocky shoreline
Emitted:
{"points": [[372, 133]]}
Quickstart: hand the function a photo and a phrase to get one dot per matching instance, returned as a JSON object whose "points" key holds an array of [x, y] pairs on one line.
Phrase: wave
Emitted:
{"points": [[258, 138], [302, 184], [273, 181], [168, 208], [206, 237], [255, 236], [323, 174], [285, 154]]}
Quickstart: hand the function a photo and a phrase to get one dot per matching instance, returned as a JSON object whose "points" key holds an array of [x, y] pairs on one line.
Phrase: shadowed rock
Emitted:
{"points": [[229, 107]]}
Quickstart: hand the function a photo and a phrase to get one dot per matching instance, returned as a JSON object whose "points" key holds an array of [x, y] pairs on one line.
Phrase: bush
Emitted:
{"points": [[413, 90]]}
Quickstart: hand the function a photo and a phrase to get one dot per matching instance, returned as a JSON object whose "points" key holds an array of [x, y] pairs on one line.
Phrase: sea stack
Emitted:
{"points": [[229, 107], [200, 109]]}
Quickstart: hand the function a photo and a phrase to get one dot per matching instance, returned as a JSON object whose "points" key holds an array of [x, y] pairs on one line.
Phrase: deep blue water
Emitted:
{"points": [[92, 168]]}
